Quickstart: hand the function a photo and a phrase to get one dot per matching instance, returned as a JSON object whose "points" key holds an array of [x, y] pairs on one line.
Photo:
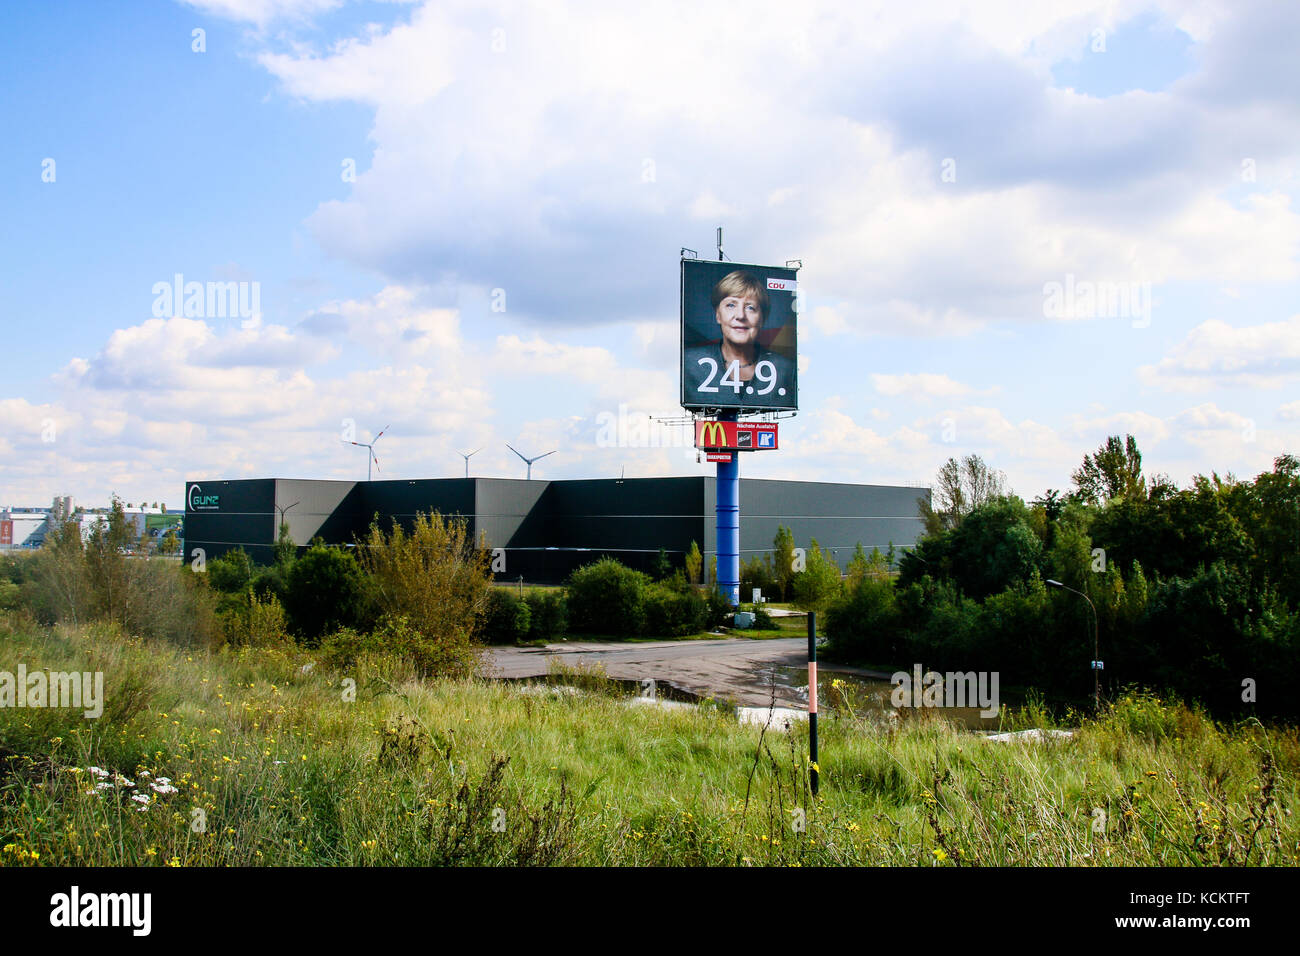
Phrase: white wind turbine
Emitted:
{"points": [[529, 461], [371, 448]]}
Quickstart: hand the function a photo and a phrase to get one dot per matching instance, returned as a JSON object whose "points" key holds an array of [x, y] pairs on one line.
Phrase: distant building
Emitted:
{"points": [[27, 528], [549, 528]]}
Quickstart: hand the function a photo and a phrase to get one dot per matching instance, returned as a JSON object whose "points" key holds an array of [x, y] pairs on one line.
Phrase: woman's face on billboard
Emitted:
{"points": [[740, 319]]}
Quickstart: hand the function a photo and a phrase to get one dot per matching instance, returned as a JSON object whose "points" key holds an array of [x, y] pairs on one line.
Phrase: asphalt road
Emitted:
{"points": [[739, 669]]}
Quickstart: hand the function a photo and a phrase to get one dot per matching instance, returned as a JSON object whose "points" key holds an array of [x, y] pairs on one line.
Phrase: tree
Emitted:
{"points": [[436, 580], [694, 563], [783, 560], [818, 583], [106, 551], [326, 591], [960, 488], [59, 576], [285, 550], [1113, 471], [661, 567]]}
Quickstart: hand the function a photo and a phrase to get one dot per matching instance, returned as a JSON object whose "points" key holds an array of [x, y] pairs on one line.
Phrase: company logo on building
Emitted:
{"points": [[740, 436], [712, 435], [198, 501]]}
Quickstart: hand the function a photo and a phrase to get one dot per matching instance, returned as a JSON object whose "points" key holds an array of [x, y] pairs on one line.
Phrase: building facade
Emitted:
{"points": [[549, 528]]}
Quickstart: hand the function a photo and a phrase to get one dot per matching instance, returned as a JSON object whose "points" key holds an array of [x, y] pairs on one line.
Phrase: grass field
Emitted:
{"points": [[265, 757]]}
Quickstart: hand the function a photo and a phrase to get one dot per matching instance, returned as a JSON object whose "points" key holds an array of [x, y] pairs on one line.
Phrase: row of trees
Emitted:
{"points": [[1196, 590]]}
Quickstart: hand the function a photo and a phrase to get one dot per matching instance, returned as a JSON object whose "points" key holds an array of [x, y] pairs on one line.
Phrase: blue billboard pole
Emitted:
{"points": [[728, 512]]}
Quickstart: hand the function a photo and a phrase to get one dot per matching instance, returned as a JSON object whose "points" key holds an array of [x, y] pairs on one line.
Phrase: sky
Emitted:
{"points": [[1022, 228]]}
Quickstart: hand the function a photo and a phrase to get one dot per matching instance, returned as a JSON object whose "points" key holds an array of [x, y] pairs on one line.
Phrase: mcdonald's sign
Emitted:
{"points": [[735, 436]]}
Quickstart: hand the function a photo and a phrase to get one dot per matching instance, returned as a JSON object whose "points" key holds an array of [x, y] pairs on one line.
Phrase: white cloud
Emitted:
{"points": [[262, 12], [1218, 354], [524, 168], [920, 385]]}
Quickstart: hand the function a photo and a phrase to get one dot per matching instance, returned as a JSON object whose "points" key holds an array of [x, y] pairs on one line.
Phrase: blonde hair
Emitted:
{"points": [[738, 284]]}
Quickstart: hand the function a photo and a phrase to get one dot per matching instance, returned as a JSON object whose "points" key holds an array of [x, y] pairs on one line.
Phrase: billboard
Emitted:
{"points": [[735, 436], [739, 347]]}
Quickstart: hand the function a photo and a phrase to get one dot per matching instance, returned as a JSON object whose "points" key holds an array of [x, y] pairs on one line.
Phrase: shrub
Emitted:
{"points": [[757, 573], [258, 623], [507, 618], [435, 579], [326, 591], [818, 584], [863, 623], [396, 637], [232, 572], [548, 618], [607, 598], [694, 564], [718, 609], [674, 611]]}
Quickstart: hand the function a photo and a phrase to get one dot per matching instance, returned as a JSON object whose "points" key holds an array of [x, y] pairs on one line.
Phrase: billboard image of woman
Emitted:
{"points": [[738, 336]]}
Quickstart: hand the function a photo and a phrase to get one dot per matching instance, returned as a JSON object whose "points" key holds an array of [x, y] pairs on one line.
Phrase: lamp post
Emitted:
{"points": [[1096, 645]]}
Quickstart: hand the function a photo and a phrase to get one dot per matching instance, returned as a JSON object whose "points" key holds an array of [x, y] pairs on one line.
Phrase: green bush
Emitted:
{"points": [[430, 655], [232, 572], [548, 618], [719, 609], [674, 610], [607, 598], [818, 584], [863, 624], [258, 623], [757, 573], [507, 618], [326, 591]]}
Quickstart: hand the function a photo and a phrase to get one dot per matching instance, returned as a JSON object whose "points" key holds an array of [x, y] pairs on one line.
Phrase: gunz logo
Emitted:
{"points": [[198, 501]]}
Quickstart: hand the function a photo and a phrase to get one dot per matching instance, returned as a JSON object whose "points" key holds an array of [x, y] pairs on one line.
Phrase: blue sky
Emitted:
{"points": [[390, 174]]}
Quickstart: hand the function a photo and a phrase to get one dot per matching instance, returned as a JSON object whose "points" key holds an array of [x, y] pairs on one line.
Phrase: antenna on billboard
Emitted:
{"points": [[529, 461], [372, 460], [467, 458], [720, 254]]}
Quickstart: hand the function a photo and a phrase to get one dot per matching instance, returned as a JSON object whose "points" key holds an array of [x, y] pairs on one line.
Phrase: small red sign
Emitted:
{"points": [[718, 456], [6, 532]]}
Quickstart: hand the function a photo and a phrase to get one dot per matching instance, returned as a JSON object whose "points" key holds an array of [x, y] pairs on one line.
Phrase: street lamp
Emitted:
{"points": [[1096, 645]]}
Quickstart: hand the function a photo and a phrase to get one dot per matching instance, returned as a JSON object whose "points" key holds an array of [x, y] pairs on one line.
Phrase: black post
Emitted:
{"points": [[812, 698]]}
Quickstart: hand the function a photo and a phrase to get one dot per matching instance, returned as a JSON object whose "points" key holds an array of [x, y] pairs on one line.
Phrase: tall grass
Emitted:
{"points": [[278, 758]]}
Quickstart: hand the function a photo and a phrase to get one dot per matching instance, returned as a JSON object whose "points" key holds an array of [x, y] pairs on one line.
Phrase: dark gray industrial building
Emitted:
{"points": [[548, 528]]}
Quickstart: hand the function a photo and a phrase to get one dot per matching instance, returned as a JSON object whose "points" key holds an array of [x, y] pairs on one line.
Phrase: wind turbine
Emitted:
{"points": [[467, 458], [371, 446], [529, 461]]}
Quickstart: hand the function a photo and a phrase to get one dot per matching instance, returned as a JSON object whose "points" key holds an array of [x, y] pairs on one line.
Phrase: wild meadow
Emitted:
{"points": [[273, 755]]}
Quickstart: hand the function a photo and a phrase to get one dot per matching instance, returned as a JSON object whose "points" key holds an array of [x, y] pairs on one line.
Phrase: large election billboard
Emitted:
{"points": [[739, 348]]}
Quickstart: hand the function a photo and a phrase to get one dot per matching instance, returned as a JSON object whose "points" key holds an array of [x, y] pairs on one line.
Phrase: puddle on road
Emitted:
{"points": [[656, 693], [865, 697]]}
